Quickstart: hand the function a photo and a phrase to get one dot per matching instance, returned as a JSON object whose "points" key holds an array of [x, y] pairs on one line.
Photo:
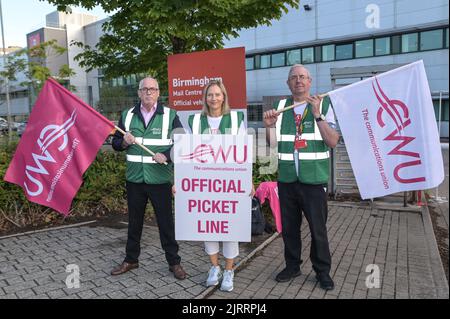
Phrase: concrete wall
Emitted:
{"points": [[92, 34], [19, 106], [267, 82], [54, 62], [340, 20], [19, 102], [79, 80]]}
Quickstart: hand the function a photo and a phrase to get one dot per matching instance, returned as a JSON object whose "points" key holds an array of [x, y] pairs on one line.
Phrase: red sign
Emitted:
{"points": [[34, 39], [189, 73]]}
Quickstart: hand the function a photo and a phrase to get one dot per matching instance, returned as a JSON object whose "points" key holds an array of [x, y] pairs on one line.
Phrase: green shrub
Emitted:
{"points": [[102, 192], [259, 177]]}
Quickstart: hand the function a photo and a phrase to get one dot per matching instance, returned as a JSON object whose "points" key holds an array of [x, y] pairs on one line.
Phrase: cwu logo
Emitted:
{"points": [[49, 135], [205, 153], [399, 115]]}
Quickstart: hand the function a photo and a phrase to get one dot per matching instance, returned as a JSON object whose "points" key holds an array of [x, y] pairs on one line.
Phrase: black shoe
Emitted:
{"points": [[325, 281], [287, 274]]}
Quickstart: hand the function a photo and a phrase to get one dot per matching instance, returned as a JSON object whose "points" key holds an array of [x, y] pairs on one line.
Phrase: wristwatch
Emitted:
{"points": [[320, 118]]}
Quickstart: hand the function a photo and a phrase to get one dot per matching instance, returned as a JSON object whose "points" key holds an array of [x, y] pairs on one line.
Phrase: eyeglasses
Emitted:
{"points": [[300, 77], [149, 90]]}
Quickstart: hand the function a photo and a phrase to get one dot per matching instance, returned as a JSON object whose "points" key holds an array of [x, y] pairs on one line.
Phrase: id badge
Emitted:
{"points": [[300, 144]]}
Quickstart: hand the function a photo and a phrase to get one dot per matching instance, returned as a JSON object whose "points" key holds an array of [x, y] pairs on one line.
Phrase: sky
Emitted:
{"points": [[24, 16]]}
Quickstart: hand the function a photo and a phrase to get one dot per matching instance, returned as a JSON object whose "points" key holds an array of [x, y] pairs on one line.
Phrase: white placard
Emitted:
{"points": [[213, 180]]}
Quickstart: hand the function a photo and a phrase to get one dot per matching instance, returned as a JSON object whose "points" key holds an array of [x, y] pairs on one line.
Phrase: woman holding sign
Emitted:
{"points": [[217, 118]]}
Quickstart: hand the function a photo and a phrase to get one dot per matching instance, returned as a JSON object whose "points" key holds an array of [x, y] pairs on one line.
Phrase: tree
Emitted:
{"points": [[15, 64], [112, 100], [31, 63], [140, 34], [37, 72]]}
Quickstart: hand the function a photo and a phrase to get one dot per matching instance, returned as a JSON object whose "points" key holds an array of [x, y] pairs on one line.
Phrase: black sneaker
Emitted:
{"points": [[325, 281], [287, 274]]}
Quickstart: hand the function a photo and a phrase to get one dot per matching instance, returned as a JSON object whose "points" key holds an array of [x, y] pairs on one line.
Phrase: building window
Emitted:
{"points": [[410, 42], [133, 79], [344, 51], [265, 61], [254, 113], [278, 59], [307, 55], [16, 95], [382, 46], [249, 63], [257, 61], [444, 110], [430, 40], [396, 44], [293, 57], [386, 45], [364, 48], [446, 38], [328, 52], [318, 54]]}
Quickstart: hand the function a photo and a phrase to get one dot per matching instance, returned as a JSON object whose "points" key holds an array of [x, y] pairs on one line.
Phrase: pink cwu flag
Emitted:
{"points": [[61, 140]]}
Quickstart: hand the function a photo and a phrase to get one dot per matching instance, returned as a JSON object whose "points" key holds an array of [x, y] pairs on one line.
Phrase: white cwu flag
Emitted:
{"points": [[390, 132]]}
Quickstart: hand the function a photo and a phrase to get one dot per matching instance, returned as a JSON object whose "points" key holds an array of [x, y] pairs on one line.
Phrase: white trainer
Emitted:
{"points": [[214, 276], [227, 282]]}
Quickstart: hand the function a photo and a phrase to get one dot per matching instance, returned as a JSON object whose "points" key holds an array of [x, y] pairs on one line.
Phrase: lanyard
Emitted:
{"points": [[299, 126]]}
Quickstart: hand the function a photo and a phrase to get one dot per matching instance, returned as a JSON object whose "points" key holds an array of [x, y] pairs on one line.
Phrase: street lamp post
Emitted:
{"points": [[8, 105]]}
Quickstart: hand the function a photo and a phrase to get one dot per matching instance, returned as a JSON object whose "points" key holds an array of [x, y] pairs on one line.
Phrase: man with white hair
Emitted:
{"points": [[147, 176], [303, 135]]}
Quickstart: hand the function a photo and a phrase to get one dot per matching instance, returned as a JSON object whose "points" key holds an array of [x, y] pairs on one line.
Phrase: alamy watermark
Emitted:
{"points": [[373, 19], [73, 279], [373, 280]]}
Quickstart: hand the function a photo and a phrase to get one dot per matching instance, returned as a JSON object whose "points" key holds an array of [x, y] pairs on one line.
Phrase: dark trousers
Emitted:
{"points": [[312, 200], [161, 198]]}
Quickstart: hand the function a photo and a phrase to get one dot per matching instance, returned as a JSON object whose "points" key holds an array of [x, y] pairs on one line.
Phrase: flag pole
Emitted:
{"points": [[8, 102], [138, 144], [297, 104]]}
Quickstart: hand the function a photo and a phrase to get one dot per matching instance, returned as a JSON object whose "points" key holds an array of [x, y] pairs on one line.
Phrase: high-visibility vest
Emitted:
{"points": [[313, 159], [230, 123], [141, 168]]}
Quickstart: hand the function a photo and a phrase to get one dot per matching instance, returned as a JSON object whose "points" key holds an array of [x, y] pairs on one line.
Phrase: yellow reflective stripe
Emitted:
{"points": [[314, 156], [286, 138], [154, 141], [304, 156], [308, 136], [281, 105], [234, 121], [196, 124], [285, 157], [140, 159], [318, 136], [165, 125], [128, 120], [305, 136], [157, 142]]}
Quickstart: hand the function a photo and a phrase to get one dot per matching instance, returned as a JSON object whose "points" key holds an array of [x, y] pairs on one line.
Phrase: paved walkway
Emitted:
{"points": [[400, 243], [34, 265]]}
